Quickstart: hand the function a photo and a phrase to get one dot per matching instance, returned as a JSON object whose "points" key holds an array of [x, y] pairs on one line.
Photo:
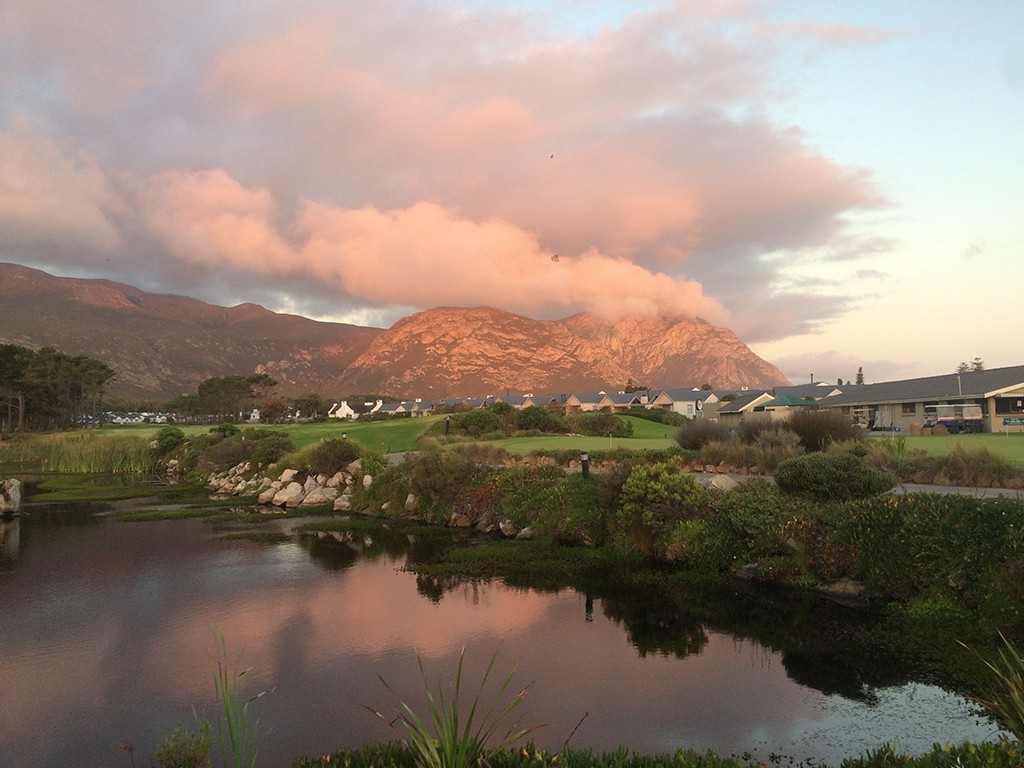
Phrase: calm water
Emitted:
{"points": [[106, 635]]}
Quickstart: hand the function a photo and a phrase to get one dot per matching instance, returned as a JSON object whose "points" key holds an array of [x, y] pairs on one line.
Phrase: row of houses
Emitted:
{"points": [[986, 400]]}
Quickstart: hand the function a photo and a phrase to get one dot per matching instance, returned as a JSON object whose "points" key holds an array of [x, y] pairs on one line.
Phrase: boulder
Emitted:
{"points": [[507, 528], [319, 495], [722, 483], [526, 534], [336, 480], [10, 495], [267, 496], [343, 503], [367, 481], [289, 496], [411, 502], [288, 475]]}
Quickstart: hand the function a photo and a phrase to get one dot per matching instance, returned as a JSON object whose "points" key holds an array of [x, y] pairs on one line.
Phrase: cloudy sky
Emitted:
{"points": [[841, 182]]}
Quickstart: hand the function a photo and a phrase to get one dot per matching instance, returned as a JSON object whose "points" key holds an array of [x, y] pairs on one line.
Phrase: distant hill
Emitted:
{"points": [[162, 346]]}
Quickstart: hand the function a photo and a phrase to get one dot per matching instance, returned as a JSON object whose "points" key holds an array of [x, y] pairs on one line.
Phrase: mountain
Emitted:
{"points": [[449, 351], [162, 346]]}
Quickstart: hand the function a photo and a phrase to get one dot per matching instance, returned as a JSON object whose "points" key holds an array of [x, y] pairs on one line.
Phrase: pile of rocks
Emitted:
{"points": [[292, 488]]}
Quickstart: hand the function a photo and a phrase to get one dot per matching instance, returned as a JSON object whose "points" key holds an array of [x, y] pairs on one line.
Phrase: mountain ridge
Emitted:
{"points": [[163, 345]]}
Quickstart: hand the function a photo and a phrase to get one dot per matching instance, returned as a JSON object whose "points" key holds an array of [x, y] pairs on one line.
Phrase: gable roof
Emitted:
{"points": [[785, 401], [949, 386], [744, 402]]}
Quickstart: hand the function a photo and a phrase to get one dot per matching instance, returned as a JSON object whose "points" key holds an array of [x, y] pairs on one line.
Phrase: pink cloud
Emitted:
{"points": [[423, 255], [52, 198]]}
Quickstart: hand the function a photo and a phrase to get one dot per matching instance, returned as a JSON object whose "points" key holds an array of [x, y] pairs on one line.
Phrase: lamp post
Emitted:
{"points": [[585, 464]]}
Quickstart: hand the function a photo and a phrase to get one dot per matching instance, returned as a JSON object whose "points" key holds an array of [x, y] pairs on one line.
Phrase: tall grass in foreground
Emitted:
{"points": [[82, 453], [447, 740], [236, 730], [1006, 701]]}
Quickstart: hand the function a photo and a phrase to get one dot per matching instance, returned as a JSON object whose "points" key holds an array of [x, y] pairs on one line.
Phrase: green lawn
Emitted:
{"points": [[1010, 446]]}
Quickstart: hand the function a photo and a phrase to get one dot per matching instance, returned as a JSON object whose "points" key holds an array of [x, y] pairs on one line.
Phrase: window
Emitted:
{"points": [[909, 409]]}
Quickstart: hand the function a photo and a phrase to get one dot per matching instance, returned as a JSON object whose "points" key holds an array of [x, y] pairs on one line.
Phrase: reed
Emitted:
{"points": [[449, 739], [236, 730], [84, 453]]}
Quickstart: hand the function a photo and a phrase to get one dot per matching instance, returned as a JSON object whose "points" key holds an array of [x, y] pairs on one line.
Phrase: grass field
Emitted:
{"points": [[1009, 446]]}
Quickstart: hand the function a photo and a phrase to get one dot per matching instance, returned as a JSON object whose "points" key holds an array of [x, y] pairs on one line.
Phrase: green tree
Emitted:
{"points": [[860, 375], [310, 406]]}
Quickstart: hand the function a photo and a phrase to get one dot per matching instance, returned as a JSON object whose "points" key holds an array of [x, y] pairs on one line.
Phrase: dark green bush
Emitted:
{"points": [[831, 477], [541, 419], [694, 435], [224, 429], [332, 455], [266, 446], [476, 423], [819, 429], [598, 424], [167, 439], [569, 512], [753, 426], [654, 498]]}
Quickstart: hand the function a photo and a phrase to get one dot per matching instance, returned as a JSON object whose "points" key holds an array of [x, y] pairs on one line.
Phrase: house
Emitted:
{"points": [[583, 402], [516, 401], [617, 402], [731, 413], [814, 391], [781, 406], [996, 396], [341, 410], [686, 401]]}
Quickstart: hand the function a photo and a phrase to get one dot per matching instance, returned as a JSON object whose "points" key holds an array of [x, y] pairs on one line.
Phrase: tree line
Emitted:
{"points": [[46, 389]]}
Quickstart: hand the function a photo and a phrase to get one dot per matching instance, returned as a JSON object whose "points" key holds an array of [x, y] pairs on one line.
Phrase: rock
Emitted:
{"points": [[10, 495], [310, 485], [526, 534], [336, 480], [355, 468], [319, 495], [722, 483], [411, 502], [367, 481], [459, 520], [343, 503], [288, 475], [267, 496], [289, 496], [507, 528]]}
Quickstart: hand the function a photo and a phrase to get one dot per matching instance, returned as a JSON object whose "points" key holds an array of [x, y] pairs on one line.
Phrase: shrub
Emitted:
{"points": [[753, 426], [224, 429], [267, 446], [186, 750], [773, 446], [817, 429], [598, 424], [541, 419], [477, 422], [831, 476], [167, 439], [697, 433], [654, 498], [332, 455]]}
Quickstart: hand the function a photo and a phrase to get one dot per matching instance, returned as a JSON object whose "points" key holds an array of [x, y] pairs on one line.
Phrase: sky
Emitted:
{"points": [[840, 182]]}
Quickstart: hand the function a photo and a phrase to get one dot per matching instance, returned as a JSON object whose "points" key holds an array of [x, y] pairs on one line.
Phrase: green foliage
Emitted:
{"points": [[1006, 701], [183, 749], [773, 446], [653, 499], [167, 439], [659, 415], [819, 429], [831, 476], [607, 424], [237, 732], [224, 429], [90, 452], [331, 455], [267, 446], [694, 435], [540, 419], [569, 512], [477, 422], [936, 545], [452, 738]]}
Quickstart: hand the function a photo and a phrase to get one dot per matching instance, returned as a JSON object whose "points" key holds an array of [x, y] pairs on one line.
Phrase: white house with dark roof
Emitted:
{"points": [[622, 401], [997, 393], [583, 402], [688, 402]]}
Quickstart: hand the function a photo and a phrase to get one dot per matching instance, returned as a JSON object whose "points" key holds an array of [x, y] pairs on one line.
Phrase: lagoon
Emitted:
{"points": [[107, 637]]}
